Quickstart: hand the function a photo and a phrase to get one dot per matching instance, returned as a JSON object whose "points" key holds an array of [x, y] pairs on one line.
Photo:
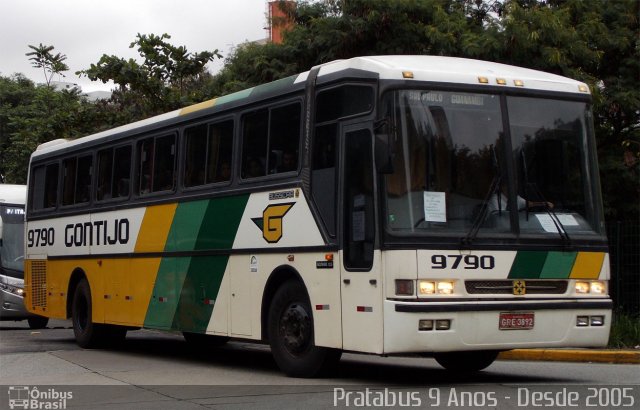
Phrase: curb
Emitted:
{"points": [[571, 355]]}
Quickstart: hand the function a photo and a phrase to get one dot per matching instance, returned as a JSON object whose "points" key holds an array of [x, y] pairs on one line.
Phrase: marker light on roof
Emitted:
{"points": [[483, 80], [407, 74], [583, 88], [501, 81], [518, 83]]}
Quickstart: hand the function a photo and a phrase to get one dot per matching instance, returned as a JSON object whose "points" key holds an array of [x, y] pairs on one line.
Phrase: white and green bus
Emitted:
{"points": [[384, 205]]}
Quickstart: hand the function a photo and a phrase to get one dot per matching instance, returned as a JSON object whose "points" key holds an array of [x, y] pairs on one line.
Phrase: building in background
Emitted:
{"points": [[279, 19]]}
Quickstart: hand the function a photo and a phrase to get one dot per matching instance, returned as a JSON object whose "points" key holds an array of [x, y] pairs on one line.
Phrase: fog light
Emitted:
{"points": [[598, 288], [443, 324], [404, 287], [427, 288], [582, 321], [582, 287], [597, 321], [425, 324]]}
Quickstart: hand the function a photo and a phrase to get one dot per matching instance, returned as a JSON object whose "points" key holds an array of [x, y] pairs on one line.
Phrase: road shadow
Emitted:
{"points": [[414, 371]]}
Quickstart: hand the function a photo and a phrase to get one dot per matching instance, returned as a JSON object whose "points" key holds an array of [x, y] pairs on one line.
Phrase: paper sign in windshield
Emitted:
{"points": [[435, 207], [547, 223]]}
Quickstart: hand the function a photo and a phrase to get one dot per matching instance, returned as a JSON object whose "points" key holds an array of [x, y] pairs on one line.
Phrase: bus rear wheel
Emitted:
{"points": [[291, 336], [466, 362]]}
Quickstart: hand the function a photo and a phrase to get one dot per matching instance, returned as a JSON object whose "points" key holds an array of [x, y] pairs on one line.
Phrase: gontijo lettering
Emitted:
{"points": [[103, 232]]}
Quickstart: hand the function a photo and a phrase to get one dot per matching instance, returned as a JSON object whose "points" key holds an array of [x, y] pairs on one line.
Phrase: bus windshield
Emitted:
{"points": [[12, 241], [458, 170]]}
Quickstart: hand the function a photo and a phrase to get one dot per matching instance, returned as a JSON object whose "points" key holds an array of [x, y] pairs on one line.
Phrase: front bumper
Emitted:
{"points": [[475, 325]]}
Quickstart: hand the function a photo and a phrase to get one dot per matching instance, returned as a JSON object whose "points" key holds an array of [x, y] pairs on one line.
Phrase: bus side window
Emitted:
{"points": [[83, 179], [219, 152], [145, 150], [157, 164], [284, 138], [68, 180], [164, 163], [196, 155], [121, 172], [254, 143], [323, 174], [105, 171]]}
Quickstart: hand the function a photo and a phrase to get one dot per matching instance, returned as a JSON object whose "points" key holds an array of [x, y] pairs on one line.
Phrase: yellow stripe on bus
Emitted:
{"points": [[198, 107], [587, 265], [155, 228]]}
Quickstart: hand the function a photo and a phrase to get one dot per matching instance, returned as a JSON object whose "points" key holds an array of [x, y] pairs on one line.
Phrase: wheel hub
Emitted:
{"points": [[295, 328]]}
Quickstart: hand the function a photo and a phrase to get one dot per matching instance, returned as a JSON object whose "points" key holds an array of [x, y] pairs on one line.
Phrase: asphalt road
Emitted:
{"points": [[158, 370]]}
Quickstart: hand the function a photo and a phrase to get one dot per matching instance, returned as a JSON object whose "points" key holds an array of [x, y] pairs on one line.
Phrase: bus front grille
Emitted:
{"points": [[39, 284], [505, 287]]}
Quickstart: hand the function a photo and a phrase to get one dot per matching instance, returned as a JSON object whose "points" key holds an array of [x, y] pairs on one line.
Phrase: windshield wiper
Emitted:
{"points": [[482, 212], [554, 217]]}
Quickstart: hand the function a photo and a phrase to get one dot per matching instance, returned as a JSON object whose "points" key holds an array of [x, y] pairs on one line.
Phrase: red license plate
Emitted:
{"points": [[511, 321]]}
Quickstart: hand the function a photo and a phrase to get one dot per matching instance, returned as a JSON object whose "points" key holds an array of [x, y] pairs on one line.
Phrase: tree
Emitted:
{"points": [[42, 57], [168, 77]]}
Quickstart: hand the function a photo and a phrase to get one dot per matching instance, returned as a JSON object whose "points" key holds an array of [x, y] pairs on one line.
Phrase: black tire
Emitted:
{"points": [[37, 322], [87, 333], [466, 362], [202, 341], [290, 329]]}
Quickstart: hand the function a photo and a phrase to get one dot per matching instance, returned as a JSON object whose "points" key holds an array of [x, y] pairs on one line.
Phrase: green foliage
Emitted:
{"points": [[41, 57], [625, 331], [31, 115], [168, 77]]}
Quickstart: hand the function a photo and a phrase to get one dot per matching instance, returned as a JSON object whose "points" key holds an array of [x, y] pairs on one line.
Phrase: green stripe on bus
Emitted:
{"points": [[528, 265], [186, 225], [199, 293], [281, 84], [166, 292], [558, 265], [220, 223], [186, 288]]}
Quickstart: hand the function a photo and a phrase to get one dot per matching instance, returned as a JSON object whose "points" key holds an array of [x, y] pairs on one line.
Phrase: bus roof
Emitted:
{"points": [[13, 194], [436, 69]]}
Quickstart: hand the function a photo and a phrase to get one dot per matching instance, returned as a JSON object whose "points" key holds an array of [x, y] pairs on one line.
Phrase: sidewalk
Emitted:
{"points": [[574, 355]]}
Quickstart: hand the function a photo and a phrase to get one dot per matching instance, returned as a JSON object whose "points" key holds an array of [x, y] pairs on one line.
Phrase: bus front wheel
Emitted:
{"points": [[291, 334], [88, 334], [466, 362], [85, 331]]}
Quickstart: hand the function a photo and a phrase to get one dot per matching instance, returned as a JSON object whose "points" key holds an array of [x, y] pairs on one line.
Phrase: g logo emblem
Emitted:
{"points": [[271, 222]]}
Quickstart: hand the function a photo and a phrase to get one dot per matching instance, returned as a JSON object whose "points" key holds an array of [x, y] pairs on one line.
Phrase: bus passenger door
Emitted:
{"points": [[362, 315]]}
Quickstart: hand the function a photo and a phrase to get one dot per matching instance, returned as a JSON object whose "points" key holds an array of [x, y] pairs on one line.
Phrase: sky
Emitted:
{"points": [[84, 30]]}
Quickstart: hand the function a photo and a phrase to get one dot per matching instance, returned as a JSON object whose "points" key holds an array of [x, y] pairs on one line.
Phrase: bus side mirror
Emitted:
{"points": [[384, 153]]}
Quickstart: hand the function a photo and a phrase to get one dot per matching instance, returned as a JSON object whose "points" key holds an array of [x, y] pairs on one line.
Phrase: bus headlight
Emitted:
{"points": [[426, 287], [582, 287], [445, 288], [12, 289], [598, 288], [592, 287], [429, 287]]}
